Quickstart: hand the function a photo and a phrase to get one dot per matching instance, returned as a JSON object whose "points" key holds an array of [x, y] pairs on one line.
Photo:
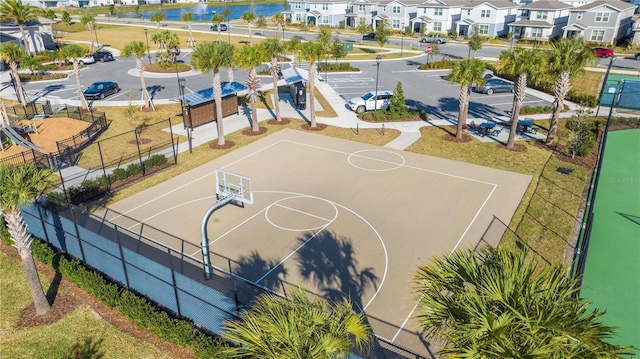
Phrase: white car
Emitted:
{"points": [[87, 60], [369, 101]]}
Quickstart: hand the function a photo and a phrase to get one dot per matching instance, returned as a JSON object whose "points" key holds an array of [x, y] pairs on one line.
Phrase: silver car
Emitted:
{"points": [[434, 39], [495, 84]]}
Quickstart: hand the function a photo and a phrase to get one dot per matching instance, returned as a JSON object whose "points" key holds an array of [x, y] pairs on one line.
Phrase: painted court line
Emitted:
{"points": [[303, 212]]}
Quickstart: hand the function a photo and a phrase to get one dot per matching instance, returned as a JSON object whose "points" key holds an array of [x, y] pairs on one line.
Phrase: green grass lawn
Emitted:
{"points": [[83, 327]]}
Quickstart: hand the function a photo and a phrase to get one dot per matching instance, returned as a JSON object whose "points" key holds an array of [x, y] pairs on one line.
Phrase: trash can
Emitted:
{"points": [[299, 95]]}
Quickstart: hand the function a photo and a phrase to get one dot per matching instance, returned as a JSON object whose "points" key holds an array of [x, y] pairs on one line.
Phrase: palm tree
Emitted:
{"points": [[523, 63], [465, 72], [567, 58], [273, 48], [157, 17], [11, 53], [226, 12], [188, 17], [249, 17], [88, 20], [218, 19], [20, 185], [19, 13], [312, 52], [294, 44], [249, 57], [74, 52], [138, 50], [210, 56], [499, 303], [278, 18], [278, 327]]}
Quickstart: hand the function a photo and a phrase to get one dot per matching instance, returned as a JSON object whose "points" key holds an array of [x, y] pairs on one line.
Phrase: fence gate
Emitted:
{"points": [[47, 109]]}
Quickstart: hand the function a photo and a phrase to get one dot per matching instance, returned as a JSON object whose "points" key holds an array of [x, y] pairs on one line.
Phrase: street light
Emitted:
{"points": [[402, 41], [148, 53], [604, 83], [186, 120], [375, 102]]}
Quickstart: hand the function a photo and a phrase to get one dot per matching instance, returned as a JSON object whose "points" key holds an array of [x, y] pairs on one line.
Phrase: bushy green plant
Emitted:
{"points": [[4, 232], [119, 174], [397, 106], [133, 169], [583, 100], [136, 308], [205, 347], [445, 64], [175, 331], [340, 66], [90, 185], [154, 161]]}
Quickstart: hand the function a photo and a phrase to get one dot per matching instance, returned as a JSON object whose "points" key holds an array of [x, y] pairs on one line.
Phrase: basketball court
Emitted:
{"points": [[340, 218]]}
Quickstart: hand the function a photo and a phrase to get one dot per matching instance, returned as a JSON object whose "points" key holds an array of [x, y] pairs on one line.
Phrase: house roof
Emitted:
{"points": [[531, 23], [206, 95], [292, 75], [444, 3], [546, 5], [498, 4], [314, 13], [575, 26], [618, 5]]}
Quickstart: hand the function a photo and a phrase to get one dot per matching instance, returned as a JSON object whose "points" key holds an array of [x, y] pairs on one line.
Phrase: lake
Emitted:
{"points": [[204, 12]]}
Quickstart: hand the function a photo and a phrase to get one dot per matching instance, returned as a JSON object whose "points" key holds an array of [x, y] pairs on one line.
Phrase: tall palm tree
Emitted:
{"points": [[138, 50], [88, 20], [498, 303], [157, 17], [73, 52], [278, 18], [522, 63], [218, 19], [567, 58], [19, 13], [20, 185], [249, 17], [211, 56], [312, 51], [188, 17], [249, 57], [278, 327], [273, 48], [465, 72], [226, 12], [294, 45], [11, 53]]}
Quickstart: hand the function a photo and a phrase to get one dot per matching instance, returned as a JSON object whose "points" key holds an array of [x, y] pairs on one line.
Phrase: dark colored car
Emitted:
{"points": [[102, 56], [100, 90], [214, 27], [370, 36], [637, 56], [603, 52], [496, 84]]}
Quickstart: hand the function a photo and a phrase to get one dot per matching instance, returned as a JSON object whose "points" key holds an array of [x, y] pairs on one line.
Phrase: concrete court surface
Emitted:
{"points": [[341, 218]]}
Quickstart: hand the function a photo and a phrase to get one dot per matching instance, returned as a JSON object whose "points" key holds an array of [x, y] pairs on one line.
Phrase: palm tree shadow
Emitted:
{"points": [[330, 262], [253, 267], [88, 349]]}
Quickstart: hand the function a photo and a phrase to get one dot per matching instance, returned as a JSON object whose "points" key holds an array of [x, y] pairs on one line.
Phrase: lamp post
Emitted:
{"points": [[604, 83], [375, 102], [148, 52], [402, 39]]}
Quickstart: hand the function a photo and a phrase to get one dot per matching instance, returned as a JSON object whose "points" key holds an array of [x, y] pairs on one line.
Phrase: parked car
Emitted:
{"points": [[214, 27], [434, 39], [369, 102], [637, 56], [87, 60], [100, 90], [495, 84], [487, 74], [603, 52], [370, 36], [102, 56]]}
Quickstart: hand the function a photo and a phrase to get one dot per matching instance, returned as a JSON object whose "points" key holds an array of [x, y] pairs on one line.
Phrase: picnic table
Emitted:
{"points": [[526, 125], [486, 127]]}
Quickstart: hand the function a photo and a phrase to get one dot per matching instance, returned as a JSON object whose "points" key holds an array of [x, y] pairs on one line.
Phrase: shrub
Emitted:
{"points": [[332, 66], [137, 309], [205, 347], [119, 174], [153, 161], [133, 169], [4, 232], [446, 64], [90, 185], [175, 331], [583, 100]]}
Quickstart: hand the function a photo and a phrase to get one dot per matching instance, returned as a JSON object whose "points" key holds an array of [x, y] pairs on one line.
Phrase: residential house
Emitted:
{"points": [[39, 35], [601, 21], [398, 13], [46, 4], [318, 12], [488, 18], [438, 16], [361, 11], [541, 20], [635, 39]]}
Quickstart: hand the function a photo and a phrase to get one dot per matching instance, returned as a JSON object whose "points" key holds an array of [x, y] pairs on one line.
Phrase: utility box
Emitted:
{"points": [[299, 95], [348, 46]]}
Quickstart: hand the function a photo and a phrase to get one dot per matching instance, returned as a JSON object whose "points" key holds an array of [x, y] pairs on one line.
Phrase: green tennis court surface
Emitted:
{"points": [[612, 272]]}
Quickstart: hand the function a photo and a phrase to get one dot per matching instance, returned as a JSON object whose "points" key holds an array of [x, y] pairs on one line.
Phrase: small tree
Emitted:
{"points": [[363, 28], [397, 107], [581, 141], [217, 20], [261, 22], [157, 17], [475, 41], [337, 49], [66, 18], [383, 33], [188, 17], [226, 12], [249, 17]]}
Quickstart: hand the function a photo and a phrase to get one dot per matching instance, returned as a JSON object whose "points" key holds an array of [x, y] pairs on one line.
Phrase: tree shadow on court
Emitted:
{"points": [[330, 263], [253, 267]]}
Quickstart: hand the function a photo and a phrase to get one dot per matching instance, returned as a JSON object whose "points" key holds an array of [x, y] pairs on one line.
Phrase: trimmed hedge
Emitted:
{"points": [[332, 66], [138, 309], [446, 64]]}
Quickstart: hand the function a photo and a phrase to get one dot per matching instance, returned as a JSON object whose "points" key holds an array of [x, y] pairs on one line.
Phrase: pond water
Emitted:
{"points": [[204, 12]]}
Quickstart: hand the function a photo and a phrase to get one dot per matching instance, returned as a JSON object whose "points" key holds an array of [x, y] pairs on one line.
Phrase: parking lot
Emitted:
{"points": [[422, 89]]}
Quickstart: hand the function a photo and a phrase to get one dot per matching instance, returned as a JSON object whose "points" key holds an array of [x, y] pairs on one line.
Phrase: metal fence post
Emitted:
{"points": [[124, 265], [173, 282]]}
